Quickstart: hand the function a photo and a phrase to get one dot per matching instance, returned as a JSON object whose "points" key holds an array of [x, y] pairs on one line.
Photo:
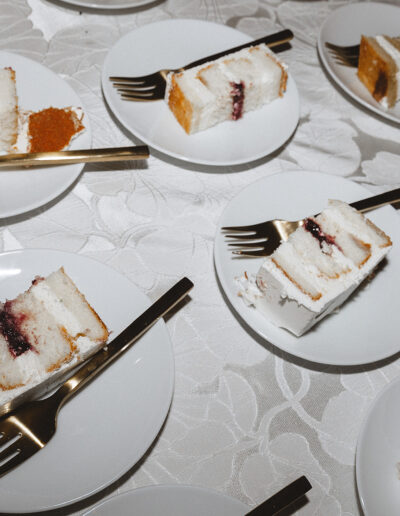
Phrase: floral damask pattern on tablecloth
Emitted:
{"points": [[246, 419]]}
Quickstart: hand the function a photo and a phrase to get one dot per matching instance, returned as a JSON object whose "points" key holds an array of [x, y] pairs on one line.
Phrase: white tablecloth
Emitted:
{"points": [[245, 419]]}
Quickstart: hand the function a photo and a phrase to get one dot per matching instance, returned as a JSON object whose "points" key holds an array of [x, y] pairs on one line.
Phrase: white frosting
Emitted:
{"points": [[22, 143], [7, 88], [8, 110], [395, 55]]}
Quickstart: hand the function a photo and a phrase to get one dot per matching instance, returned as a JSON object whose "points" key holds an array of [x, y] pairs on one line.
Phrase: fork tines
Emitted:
{"points": [[144, 95], [252, 228], [260, 239], [249, 243], [146, 87], [344, 55], [149, 79], [11, 444], [248, 249]]}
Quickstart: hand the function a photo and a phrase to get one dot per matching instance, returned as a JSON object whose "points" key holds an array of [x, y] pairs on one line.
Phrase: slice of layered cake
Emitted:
{"points": [[44, 332], [8, 110], [226, 88], [317, 268], [379, 68]]}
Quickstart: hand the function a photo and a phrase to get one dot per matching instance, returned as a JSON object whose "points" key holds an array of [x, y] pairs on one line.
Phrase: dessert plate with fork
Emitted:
{"points": [[108, 426], [22, 190], [344, 27], [175, 43], [344, 337]]}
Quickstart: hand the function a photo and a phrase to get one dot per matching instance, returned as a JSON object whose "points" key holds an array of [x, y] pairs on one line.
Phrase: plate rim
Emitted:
{"points": [[162, 327], [226, 291], [338, 81], [362, 433], [78, 166], [157, 487], [94, 5], [172, 154]]}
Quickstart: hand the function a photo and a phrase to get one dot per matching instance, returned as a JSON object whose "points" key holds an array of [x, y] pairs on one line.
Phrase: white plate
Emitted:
{"points": [[108, 4], [343, 338], [38, 88], [378, 453], [107, 427], [345, 27], [170, 500], [174, 43]]}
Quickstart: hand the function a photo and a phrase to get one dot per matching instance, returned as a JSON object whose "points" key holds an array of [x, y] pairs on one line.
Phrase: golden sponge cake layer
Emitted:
{"points": [[379, 68]]}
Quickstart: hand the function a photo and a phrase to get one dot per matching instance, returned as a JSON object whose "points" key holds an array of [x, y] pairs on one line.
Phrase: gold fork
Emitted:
{"points": [[28, 428], [262, 239], [39, 159], [346, 56], [152, 86]]}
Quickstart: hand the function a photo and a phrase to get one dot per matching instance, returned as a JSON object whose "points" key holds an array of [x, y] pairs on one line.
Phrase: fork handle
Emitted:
{"points": [[377, 200], [271, 40], [124, 340], [75, 156]]}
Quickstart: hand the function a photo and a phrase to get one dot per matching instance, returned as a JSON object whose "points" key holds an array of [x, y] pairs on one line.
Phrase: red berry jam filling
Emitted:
{"points": [[10, 327], [237, 94], [315, 229]]}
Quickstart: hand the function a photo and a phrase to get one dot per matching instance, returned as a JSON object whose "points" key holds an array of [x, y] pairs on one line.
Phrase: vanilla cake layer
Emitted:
{"points": [[44, 333], [379, 68], [317, 268], [226, 88], [8, 110]]}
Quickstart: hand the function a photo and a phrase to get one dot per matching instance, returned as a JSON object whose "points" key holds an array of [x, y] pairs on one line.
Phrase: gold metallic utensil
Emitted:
{"points": [[152, 86], [28, 428], [262, 239], [39, 159], [346, 56], [282, 498]]}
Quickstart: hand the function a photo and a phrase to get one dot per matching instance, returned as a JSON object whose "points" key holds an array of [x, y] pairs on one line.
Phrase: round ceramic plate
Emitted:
{"points": [[108, 4], [378, 455], [22, 190], [174, 43], [107, 427], [342, 338], [170, 500], [345, 27]]}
